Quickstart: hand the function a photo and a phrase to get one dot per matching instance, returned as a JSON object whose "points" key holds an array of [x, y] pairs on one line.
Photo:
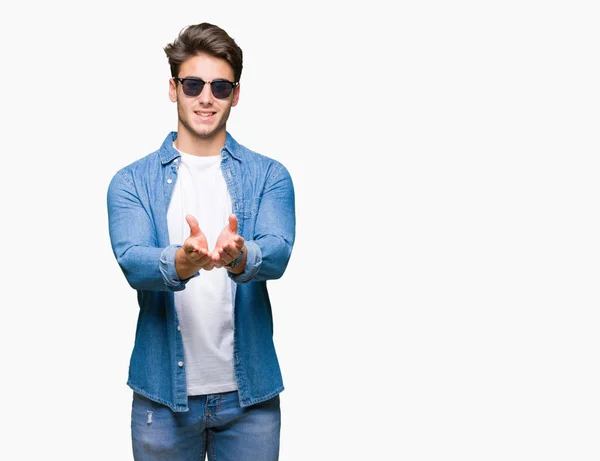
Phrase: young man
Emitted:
{"points": [[198, 227]]}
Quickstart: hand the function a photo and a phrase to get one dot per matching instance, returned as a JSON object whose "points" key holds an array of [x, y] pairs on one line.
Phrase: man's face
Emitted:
{"points": [[203, 116]]}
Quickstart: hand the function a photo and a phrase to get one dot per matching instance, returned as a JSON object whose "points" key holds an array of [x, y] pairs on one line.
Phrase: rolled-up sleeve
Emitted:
{"points": [[269, 245], [132, 234]]}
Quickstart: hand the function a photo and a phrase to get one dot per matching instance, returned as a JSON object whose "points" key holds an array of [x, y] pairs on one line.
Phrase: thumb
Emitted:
{"points": [[193, 223], [233, 223]]}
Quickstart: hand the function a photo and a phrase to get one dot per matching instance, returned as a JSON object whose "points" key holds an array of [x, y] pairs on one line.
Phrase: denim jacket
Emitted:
{"points": [[262, 197]]}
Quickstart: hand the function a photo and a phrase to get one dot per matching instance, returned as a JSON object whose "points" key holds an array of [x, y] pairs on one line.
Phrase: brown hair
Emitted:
{"points": [[204, 38]]}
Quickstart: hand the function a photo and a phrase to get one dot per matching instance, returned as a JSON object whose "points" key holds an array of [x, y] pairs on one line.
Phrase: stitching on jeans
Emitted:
{"points": [[211, 444], [203, 447], [209, 410]]}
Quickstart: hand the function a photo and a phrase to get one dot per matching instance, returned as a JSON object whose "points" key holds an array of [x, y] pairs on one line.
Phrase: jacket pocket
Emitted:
{"points": [[249, 207]]}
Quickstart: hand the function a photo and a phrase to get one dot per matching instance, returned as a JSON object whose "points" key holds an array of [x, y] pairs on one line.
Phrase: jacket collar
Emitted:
{"points": [[168, 153]]}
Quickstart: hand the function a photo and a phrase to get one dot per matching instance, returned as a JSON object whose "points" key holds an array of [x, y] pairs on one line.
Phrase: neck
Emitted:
{"points": [[202, 146]]}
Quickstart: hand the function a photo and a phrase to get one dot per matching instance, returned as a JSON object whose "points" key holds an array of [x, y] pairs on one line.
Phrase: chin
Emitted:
{"points": [[205, 132]]}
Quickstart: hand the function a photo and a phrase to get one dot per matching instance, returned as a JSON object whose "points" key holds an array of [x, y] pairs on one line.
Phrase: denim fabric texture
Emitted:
{"points": [[215, 426], [262, 196]]}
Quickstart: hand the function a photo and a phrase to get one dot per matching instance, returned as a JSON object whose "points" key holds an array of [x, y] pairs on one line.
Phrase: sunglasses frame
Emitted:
{"points": [[204, 82]]}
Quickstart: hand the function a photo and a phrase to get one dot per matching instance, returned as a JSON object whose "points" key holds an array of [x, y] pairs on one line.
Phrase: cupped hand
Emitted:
{"points": [[195, 246], [229, 244]]}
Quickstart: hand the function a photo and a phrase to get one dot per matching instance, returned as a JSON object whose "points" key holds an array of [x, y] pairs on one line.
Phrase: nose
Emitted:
{"points": [[206, 95]]}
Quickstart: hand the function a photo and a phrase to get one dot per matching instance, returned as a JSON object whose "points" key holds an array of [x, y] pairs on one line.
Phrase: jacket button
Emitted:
{"points": [[169, 181], [180, 364], [178, 327]]}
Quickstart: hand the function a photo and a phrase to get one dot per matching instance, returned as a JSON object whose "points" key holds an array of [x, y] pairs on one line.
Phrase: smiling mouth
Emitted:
{"points": [[204, 114]]}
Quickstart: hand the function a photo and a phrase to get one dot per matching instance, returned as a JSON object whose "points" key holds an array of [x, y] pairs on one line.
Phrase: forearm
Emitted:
{"points": [[275, 255], [264, 259], [150, 268]]}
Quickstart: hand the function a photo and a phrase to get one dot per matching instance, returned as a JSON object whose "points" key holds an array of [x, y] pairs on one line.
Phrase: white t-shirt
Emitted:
{"points": [[204, 308]]}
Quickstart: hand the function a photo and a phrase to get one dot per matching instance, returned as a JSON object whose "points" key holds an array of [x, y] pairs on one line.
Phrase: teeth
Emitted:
{"points": [[206, 114]]}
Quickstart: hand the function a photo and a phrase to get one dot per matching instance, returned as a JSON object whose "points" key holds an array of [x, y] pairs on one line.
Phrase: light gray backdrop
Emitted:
{"points": [[441, 302]]}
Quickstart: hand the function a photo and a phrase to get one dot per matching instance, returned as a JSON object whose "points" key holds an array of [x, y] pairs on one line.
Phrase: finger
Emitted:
{"points": [[233, 223], [238, 240], [204, 252], [222, 257], [235, 245], [216, 254], [209, 266], [227, 255], [197, 256], [205, 261], [217, 262], [193, 247], [193, 223]]}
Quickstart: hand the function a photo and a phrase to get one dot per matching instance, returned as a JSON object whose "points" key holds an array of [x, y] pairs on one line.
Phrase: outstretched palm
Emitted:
{"points": [[196, 245], [229, 244]]}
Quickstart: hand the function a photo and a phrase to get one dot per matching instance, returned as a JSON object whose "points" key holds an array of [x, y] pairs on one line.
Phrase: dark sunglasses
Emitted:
{"points": [[192, 87]]}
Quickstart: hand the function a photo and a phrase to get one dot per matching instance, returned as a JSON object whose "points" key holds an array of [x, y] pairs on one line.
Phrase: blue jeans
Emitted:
{"points": [[215, 425]]}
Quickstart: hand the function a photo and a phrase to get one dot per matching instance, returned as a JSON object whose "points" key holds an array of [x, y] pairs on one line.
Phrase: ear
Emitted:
{"points": [[236, 95], [172, 90]]}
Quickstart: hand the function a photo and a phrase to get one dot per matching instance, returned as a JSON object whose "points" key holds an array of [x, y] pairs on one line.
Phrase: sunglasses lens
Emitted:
{"points": [[192, 87], [221, 90]]}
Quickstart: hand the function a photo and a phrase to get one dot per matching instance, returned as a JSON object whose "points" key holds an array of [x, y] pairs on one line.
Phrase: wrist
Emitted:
{"points": [[182, 266]]}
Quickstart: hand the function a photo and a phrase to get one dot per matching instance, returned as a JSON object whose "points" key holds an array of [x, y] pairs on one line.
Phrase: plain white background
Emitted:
{"points": [[442, 299]]}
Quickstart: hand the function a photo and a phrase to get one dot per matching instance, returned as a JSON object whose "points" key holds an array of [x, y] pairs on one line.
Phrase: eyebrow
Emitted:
{"points": [[218, 79]]}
